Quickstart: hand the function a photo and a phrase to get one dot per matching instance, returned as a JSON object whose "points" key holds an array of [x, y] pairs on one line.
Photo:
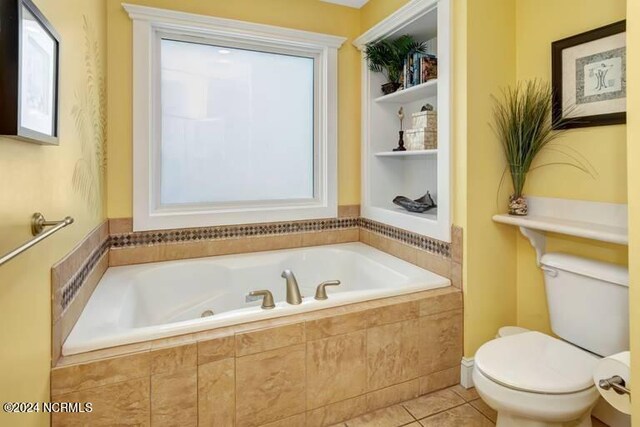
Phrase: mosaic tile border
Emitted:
{"points": [[157, 237], [413, 239], [160, 237], [71, 288]]}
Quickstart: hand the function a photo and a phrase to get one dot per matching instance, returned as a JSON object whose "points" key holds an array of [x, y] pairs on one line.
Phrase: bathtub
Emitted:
{"points": [[144, 302]]}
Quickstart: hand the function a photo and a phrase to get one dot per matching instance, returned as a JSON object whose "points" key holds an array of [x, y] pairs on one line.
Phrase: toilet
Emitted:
{"points": [[533, 379]]}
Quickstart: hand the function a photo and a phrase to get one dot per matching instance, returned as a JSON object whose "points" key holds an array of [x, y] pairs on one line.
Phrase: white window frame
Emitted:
{"points": [[150, 25]]}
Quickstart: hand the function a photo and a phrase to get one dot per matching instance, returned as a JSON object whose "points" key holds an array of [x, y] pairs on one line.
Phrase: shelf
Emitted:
{"points": [[414, 93], [586, 230], [431, 215], [605, 222], [412, 153]]}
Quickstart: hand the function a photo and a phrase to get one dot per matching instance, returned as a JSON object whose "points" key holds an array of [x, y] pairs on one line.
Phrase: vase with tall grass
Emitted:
{"points": [[523, 123]]}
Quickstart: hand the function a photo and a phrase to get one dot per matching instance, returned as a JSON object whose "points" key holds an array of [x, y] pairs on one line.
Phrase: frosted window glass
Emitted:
{"points": [[237, 125]]}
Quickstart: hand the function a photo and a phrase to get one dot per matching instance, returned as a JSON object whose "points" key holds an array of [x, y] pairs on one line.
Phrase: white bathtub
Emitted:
{"points": [[144, 302]]}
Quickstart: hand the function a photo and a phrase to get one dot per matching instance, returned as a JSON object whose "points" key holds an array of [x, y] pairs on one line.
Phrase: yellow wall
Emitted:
{"points": [[538, 23], [375, 11], [39, 178], [489, 257], [633, 176], [310, 15]]}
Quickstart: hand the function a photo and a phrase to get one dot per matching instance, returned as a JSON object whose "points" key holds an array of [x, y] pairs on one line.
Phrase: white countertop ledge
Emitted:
{"points": [[584, 229]]}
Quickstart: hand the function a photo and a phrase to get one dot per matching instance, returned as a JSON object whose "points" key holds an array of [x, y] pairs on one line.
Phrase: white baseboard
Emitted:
{"points": [[466, 369]]}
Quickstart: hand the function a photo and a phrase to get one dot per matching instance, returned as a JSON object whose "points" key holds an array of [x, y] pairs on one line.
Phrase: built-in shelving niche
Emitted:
{"points": [[385, 173]]}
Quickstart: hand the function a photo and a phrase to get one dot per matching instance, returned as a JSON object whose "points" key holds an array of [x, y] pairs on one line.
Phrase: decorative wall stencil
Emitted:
{"points": [[589, 78], [90, 114]]}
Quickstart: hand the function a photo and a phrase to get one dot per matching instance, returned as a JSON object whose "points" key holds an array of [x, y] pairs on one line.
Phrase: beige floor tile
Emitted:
{"points": [[392, 416], [430, 404], [460, 416], [467, 394], [488, 411]]}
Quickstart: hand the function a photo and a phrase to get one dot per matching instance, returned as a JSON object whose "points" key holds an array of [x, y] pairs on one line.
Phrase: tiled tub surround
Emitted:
{"points": [[311, 369], [73, 280], [76, 282], [158, 300]]}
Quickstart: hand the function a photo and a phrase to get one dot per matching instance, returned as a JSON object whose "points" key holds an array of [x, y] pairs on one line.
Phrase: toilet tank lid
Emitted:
{"points": [[611, 273]]}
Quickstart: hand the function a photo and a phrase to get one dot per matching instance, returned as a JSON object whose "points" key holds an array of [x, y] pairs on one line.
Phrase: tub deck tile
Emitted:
{"points": [[440, 341], [216, 393], [126, 403], [269, 339], [95, 374], [173, 359], [174, 399], [336, 368], [211, 350], [336, 325], [392, 353], [270, 385]]}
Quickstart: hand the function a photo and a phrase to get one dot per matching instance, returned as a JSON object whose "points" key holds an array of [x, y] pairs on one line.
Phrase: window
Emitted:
{"points": [[233, 122]]}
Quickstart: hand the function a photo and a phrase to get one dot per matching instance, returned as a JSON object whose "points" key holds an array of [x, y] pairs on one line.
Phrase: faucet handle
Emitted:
{"points": [[321, 292], [267, 298]]}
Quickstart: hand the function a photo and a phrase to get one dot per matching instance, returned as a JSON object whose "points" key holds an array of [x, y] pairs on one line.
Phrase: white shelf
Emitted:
{"points": [[412, 153], [605, 222], [586, 230], [414, 93], [431, 215]]}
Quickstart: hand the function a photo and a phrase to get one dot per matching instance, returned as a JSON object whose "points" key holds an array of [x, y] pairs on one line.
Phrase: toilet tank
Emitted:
{"points": [[588, 302]]}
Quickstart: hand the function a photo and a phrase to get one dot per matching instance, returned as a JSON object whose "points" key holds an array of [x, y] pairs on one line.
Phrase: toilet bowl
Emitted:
{"points": [[532, 379]]}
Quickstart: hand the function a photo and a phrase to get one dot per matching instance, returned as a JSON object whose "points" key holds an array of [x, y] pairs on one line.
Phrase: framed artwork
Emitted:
{"points": [[588, 73], [29, 65]]}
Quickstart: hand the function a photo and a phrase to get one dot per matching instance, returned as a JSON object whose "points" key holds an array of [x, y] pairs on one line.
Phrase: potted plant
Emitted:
{"points": [[522, 122], [388, 55]]}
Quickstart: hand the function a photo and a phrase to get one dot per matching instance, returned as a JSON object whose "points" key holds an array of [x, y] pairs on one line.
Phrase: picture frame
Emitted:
{"points": [[29, 74], [588, 73]]}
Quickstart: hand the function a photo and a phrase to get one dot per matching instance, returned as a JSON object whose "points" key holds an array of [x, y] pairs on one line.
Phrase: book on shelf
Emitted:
{"points": [[419, 68]]}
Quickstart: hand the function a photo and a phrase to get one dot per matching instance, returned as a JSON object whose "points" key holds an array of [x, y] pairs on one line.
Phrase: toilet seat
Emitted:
{"points": [[536, 363]]}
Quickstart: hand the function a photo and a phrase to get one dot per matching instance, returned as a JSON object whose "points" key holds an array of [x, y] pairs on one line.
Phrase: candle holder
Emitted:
{"points": [[400, 142], [401, 132]]}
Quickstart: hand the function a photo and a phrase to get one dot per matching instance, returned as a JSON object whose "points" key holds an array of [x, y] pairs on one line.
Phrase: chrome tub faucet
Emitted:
{"points": [[293, 291]]}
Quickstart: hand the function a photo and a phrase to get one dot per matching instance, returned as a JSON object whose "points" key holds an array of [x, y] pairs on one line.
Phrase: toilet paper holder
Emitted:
{"points": [[616, 383]]}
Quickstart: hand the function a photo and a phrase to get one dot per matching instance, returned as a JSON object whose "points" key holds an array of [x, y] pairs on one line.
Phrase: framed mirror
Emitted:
{"points": [[29, 66]]}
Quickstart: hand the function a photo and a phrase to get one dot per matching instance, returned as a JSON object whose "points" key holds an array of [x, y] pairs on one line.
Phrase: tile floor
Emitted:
{"points": [[451, 407]]}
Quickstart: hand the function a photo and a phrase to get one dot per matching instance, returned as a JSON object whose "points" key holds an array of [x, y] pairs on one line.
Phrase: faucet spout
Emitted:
{"points": [[293, 291]]}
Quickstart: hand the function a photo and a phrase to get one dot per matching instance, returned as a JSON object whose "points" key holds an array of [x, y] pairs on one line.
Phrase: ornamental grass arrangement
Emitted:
{"points": [[522, 122]]}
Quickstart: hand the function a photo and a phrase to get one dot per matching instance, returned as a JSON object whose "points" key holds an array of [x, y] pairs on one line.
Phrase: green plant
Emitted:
{"points": [[388, 55], [522, 122]]}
